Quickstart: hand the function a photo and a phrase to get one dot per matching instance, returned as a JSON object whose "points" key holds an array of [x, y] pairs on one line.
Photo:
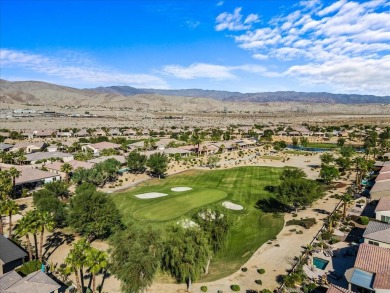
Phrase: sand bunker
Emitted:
{"points": [[232, 206], [150, 195], [181, 189], [187, 223]]}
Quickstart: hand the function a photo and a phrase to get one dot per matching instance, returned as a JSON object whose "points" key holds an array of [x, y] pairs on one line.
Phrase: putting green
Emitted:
{"points": [[175, 207]]}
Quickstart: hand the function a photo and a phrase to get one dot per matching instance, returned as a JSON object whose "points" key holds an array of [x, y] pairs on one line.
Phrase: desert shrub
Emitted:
{"points": [[29, 267], [306, 223], [235, 288], [326, 235], [259, 282], [364, 220], [244, 269], [295, 215], [261, 271], [266, 291], [203, 288]]}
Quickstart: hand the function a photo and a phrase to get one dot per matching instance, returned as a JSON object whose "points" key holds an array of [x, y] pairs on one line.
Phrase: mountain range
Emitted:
{"points": [[262, 97]]}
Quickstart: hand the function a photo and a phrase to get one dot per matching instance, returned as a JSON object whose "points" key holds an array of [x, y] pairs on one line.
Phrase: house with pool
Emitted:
{"points": [[378, 234]]}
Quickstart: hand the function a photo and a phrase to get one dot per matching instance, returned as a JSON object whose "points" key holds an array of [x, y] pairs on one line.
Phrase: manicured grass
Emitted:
{"points": [[242, 185], [172, 208]]}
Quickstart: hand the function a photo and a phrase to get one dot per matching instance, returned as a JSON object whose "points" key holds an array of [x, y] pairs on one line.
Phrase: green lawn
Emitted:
{"points": [[322, 145], [243, 185], [172, 208]]}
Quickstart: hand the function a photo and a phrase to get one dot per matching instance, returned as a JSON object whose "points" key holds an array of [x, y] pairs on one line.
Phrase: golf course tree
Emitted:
{"points": [[329, 173], [6, 185], [304, 141], [93, 214], [346, 200], [8, 207], [196, 140], [136, 162], [340, 142], [216, 224], [292, 173], [296, 191], [52, 198], [186, 253], [135, 257], [213, 161], [67, 169], [343, 163], [99, 175], [347, 151], [362, 166], [158, 164], [326, 158]]}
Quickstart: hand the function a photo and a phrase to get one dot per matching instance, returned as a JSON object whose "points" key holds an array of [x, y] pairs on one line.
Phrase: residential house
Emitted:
{"points": [[81, 133], [44, 133], [129, 132], [11, 255], [380, 189], [36, 282], [371, 271], [64, 134], [99, 132], [40, 156], [5, 147], [121, 159], [386, 156], [30, 178], [52, 148], [377, 233], [98, 147], [115, 132], [139, 145], [55, 167], [336, 289], [382, 210], [29, 147]]}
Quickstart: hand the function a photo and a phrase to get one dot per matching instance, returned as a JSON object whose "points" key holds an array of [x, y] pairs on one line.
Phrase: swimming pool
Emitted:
{"points": [[320, 263]]}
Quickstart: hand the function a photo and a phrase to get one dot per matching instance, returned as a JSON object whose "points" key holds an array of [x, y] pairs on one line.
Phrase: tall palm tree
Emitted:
{"points": [[67, 168], [15, 173], [2, 211], [20, 156], [97, 261], [45, 221], [360, 167], [196, 140], [76, 260], [346, 199], [23, 229], [10, 208]]}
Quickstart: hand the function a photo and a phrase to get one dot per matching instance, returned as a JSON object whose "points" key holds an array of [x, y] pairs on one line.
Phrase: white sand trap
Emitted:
{"points": [[232, 206], [181, 189], [187, 223], [150, 195]]}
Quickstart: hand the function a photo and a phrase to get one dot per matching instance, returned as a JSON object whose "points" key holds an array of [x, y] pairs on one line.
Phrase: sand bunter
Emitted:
{"points": [[150, 195]]}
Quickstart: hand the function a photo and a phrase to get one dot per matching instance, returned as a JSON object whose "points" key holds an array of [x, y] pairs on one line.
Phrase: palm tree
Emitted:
{"points": [[196, 140], [23, 228], [45, 221], [15, 173], [10, 208], [20, 156], [97, 261], [346, 199], [76, 260], [361, 167], [67, 168], [2, 211]]}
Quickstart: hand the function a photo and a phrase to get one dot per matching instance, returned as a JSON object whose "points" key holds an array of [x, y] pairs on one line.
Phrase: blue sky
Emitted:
{"points": [[247, 46]]}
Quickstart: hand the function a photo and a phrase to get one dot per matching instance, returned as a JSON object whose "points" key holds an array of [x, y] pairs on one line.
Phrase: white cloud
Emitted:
{"points": [[211, 71], [220, 3], [320, 35], [192, 23], [78, 69], [233, 21]]}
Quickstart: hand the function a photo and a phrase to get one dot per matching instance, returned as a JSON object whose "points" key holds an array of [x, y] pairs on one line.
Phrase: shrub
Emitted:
{"points": [[259, 282], [29, 267], [306, 223], [203, 288], [235, 288], [364, 220], [266, 291], [244, 269], [326, 235], [261, 271], [295, 215]]}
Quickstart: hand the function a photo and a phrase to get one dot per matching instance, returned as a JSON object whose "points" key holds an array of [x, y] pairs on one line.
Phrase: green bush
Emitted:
{"points": [[29, 267], [203, 288], [266, 291], [364, 220], [261, 271], [235, 288], [259, 282], [326, 235], [306, 223], [244, 269]]}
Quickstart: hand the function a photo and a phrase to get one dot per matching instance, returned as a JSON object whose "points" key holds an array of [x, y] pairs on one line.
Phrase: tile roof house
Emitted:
{"points": [[382, 210], [336, 289], [371, 270], [11, 255], [38, 156], [5, 147], [380, 189], [29, 147], [56, 166], [120, 159], [377, 233], [36, 282], [98, 147]]}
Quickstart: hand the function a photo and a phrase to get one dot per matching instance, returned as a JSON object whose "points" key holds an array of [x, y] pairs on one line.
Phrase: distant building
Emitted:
{"points": [[36, 282], [98, 147]]}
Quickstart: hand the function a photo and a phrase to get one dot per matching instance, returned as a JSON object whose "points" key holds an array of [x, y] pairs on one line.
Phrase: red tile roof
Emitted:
{"points": [[336, 289], [383, 204], [373, 258]]}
